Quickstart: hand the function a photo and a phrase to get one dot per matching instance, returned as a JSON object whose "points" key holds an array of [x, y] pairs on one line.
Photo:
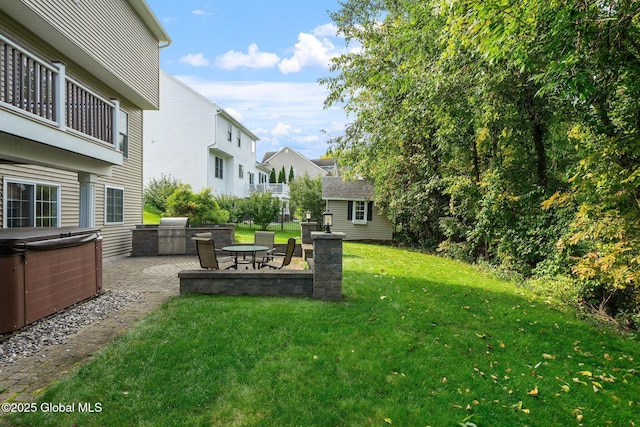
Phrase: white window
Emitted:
{"points": [[219, 170], [31, 204], [252, 178], [229, 132], [359, 211], [113, 205], [239, 137], [240, 171], [123, 134]]}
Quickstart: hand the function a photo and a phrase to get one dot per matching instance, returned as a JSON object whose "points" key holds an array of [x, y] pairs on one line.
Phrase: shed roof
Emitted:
{"points": [[335, 188]]}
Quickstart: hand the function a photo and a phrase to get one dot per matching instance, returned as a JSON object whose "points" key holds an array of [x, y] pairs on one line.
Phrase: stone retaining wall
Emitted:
{"points": [[297, 283]]}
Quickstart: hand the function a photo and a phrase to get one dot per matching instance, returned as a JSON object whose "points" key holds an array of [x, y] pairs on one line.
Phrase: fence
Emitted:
{"points": [[274, 226]]}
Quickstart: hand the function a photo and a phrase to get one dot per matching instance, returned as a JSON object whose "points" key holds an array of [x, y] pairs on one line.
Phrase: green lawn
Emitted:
{"points": [[417, 341]]}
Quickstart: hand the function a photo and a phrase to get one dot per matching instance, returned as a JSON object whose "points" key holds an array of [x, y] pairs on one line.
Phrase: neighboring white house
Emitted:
{"points": [[195, 141], [353, 210], [74, 79], [290, 158]]}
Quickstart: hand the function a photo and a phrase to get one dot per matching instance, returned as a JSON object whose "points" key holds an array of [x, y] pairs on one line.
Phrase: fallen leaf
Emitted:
{"points": [[388, 421], [526, 411], [548, 356], [566, 388], [597, 384], [483, 336], [534, 392], [586, 373], [502, 345]]}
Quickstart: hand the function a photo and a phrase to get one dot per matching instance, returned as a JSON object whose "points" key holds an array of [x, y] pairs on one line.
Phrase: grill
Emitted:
{"points": [[172, 236]]}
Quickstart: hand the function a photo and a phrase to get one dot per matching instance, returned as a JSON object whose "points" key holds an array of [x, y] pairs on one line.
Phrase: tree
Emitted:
{"points": [[236, 206], [200, 208], [291, 175], [157, 191], [492, 128], [263, 209], [306, 194], [282, 179], [272, 176]]}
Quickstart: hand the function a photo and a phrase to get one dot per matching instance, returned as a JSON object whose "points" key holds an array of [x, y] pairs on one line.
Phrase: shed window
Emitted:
{"points": [[359, 211]]}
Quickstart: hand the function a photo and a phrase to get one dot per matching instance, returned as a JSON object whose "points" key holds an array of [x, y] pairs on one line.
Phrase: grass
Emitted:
{"points": [[151, 215], [417, 341]]}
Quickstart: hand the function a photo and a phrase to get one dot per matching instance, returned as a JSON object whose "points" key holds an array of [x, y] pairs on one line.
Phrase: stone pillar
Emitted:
{"points": [[327, 272], [307, 242], [307, 228]]}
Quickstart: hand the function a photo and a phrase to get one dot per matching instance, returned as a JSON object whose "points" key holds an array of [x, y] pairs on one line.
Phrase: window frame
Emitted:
{"points": [[107, 205], [123, 134], [219, 167], [33, 203], [366, 210]]}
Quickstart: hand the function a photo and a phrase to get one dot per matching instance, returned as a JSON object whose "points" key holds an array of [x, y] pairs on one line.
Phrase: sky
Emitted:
{"points": [[260, 61]]}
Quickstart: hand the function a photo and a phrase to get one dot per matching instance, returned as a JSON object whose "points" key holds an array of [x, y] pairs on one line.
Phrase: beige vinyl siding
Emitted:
{"points": [[68, 181], [102, 29], [117, 238], [379, 228]]}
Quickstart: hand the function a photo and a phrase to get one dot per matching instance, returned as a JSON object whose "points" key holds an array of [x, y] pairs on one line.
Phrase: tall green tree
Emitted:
{"points": [[492, 128], [306, 194]]}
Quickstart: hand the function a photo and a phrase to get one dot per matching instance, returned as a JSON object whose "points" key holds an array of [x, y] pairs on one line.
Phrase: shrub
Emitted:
{"points": [[200, 208], [158, 191], [263, 208]]}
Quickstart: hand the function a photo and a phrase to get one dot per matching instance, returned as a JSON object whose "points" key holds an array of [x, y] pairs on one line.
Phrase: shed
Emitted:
{"points": [[354, 212]]}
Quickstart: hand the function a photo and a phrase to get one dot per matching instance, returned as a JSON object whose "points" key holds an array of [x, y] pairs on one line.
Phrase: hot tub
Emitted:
{"points": [[44, 270]]}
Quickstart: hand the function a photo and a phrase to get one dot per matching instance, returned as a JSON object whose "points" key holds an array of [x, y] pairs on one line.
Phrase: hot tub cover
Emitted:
{"points": [[16, 241]]}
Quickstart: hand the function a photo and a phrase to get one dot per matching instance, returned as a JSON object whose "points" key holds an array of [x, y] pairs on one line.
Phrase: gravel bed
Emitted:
{"points": [[56, 328]]}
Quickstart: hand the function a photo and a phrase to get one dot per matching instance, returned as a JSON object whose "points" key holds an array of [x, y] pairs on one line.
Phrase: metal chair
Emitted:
{"points": [[286, 257], [207, 255], [264, 238]]}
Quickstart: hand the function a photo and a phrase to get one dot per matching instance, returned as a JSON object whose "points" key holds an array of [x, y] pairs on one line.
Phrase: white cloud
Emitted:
{"points": [[282, 129], [196, 60], [200, 12], [252, 59], [308, 52], [326, 30]]}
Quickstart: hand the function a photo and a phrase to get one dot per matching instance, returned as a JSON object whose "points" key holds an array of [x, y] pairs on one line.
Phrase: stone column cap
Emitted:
{"points": [[327, 236]]}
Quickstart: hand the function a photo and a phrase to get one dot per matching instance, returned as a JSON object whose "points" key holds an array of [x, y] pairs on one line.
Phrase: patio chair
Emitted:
{"points": [[264, 238], [286, 257], [207, 255]]}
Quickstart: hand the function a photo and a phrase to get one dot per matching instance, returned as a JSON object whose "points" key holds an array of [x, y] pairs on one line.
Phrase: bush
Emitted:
{"points": [[158, 191], [263, 209], [236, 207], [200, 208]]}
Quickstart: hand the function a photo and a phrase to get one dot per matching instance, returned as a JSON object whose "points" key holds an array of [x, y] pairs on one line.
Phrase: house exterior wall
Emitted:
{"points": [[177, 137], [184, 138], [110, 51], [113, 40], [301, 165], [378, 228]]}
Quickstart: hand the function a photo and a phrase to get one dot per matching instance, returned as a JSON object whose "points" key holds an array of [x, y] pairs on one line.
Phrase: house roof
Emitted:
{"points": [[324, 162], [335, 188], [271, 154]]}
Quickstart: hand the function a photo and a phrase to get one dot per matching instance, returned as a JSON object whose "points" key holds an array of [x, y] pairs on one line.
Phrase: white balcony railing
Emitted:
{"points": [[42, 91], [276, 189]]}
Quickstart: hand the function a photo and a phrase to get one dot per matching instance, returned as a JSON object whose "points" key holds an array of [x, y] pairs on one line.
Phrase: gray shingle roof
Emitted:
{"points": [[334, 188]]}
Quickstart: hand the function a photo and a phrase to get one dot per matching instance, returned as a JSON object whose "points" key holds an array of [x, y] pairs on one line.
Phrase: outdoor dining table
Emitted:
{"points": [[244, 250]]}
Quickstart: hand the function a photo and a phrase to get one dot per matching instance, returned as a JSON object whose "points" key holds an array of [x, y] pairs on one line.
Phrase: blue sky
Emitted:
{"points": [[260, 61]]}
